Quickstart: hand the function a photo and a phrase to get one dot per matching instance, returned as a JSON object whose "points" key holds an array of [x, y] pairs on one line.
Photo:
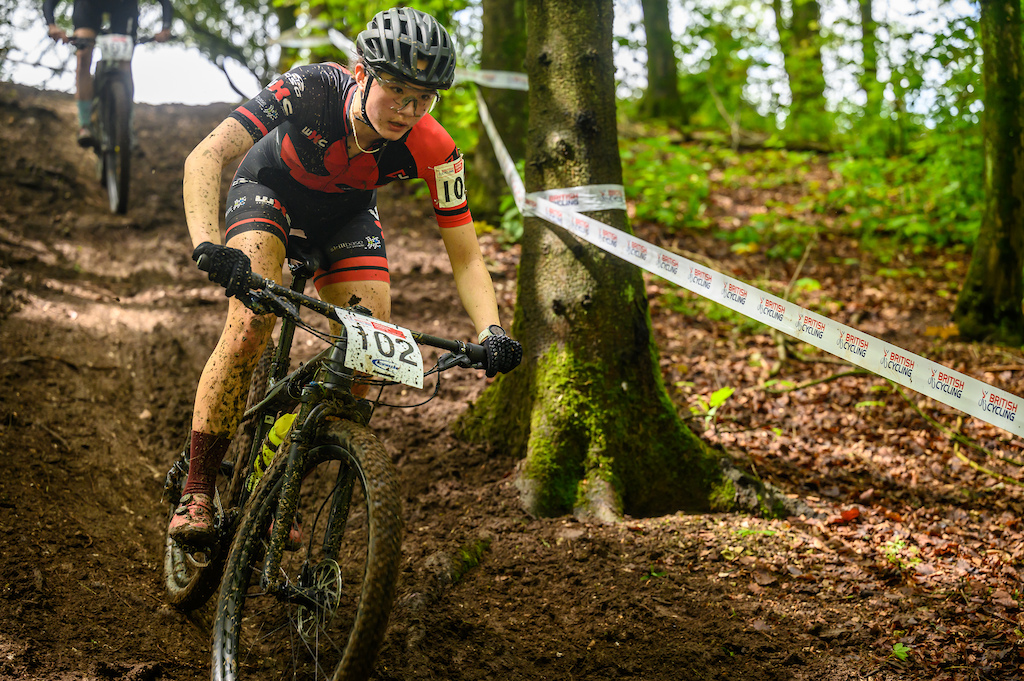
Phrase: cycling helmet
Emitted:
{"points": [[396, 40]]}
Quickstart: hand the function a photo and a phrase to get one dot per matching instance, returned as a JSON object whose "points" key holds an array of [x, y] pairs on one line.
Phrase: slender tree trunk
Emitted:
{"points": [[989, 306], [808, 123], [587, 408], [661, 100], [286, 20], [503, 48], [869, 76]]}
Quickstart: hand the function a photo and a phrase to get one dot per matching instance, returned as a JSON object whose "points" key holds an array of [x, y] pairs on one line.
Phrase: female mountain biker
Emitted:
{"points": [[318, 141]]}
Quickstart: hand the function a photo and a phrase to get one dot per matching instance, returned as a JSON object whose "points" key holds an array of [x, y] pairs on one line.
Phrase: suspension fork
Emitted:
{"points": [[307, 424]]}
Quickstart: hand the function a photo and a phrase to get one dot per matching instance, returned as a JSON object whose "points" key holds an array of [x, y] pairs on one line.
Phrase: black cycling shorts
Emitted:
{"points": [[348, 238], [124, 15]]}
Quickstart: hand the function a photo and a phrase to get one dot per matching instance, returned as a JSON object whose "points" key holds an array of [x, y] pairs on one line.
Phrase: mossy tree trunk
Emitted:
{"points": [[503, 48], [587, 409], [989, 305], [661, 99]]}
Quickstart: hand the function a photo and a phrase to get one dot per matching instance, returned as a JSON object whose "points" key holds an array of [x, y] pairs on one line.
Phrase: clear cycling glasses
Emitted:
{"points": [[404, 96]]}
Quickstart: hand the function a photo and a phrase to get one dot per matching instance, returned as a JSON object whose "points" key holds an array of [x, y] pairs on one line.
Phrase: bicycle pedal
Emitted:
{"points": [[199, 555], [199, 559]]}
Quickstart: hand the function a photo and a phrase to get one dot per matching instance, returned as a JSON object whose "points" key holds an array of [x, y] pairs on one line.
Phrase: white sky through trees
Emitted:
{"points": [[172, 73]]}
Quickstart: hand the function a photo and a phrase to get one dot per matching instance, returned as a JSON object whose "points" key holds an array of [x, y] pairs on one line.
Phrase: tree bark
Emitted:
{"points": [[503, 48], [587, 408], [989, 305]]}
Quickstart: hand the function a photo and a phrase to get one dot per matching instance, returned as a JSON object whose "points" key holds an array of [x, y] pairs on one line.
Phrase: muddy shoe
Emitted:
{"points": [[293, 542], [192, 523], [86, 138]]}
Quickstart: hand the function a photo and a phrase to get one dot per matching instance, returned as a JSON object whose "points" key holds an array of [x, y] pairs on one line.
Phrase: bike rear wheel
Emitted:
{"points": [[347, 568], [190, 580], [117, 154]]}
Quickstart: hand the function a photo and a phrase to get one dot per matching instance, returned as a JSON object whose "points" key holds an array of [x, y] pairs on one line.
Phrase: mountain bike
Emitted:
{"points": [[324, 605], [112, 112]]}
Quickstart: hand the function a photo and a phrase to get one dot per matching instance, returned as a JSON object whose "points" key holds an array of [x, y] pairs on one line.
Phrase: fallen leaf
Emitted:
{"points": [[942, 332], [844, 517]]}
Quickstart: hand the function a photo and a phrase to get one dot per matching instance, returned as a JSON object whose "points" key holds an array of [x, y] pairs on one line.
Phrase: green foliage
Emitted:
{"points": [[652, 573], [239, 30], [900, 652], [931, 198], [709, 407], [900, 554], [747, 532], [511, 220], [457, 112], [668, 182]]}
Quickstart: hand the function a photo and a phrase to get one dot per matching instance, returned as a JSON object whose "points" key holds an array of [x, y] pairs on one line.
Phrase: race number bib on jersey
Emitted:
{"points": [[381, 349], [115, 47], [451, 183]]}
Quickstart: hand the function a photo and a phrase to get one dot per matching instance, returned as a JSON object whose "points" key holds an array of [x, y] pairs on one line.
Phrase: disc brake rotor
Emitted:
{"points": [[327, 586]]}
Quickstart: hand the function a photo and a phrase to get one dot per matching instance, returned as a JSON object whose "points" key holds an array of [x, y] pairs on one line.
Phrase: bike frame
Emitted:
{"points": [[322, 388]]}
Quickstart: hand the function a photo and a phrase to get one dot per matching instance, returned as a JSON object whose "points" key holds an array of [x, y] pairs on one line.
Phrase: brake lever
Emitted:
{"points": [[265, 302], [450, 360]]}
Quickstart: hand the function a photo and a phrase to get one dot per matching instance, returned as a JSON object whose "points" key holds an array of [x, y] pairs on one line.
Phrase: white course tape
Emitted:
{"points": [[586, 198], [506, 80], [508, 167], [929, 378], [589, 198]]}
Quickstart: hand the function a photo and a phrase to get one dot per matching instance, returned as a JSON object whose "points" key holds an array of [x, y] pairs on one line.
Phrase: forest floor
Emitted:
{"points": [[905, 565]]}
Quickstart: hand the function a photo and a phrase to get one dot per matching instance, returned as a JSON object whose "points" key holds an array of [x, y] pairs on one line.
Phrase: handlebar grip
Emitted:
{"points": [[204, 262], [476, 353]]}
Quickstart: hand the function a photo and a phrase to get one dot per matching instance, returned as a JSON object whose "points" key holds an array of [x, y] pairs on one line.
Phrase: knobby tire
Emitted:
{"points": [[187, 585], [255, 633], [117, 153]]}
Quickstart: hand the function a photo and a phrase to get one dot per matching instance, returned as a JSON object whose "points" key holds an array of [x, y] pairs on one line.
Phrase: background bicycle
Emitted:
{"points": [[112, 113], [324, 603]]}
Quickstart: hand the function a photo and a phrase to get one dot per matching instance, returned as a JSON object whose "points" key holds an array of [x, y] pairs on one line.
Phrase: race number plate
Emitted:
{"points": [[115, 47], [381, 349], [450, 179]]}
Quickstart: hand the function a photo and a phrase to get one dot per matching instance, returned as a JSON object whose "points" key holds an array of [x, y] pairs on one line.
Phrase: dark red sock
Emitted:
{"points": [[205, 454]]}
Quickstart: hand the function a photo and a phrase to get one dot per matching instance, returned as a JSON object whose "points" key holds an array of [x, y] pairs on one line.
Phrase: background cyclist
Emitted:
{"points": [[87, 17], [318, 141]]}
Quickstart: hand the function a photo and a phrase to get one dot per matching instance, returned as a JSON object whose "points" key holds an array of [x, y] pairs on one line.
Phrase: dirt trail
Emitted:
{"points": [[105, 325]]}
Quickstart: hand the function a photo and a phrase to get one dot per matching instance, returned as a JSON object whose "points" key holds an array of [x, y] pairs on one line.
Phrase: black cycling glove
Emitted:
{"points": [[228, 267], [503, 353]]}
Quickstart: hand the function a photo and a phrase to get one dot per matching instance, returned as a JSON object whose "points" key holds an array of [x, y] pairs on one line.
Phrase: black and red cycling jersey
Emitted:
{"points": [[300, 123]]}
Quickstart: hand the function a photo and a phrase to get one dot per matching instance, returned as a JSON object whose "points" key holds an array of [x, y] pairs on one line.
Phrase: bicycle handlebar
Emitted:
{"points": [[272, 293], [79, 42]]}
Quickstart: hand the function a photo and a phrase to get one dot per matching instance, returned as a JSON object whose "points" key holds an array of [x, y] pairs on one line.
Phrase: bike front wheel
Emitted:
{"points": [[189, 578], [329, 617], [117, 153]]}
